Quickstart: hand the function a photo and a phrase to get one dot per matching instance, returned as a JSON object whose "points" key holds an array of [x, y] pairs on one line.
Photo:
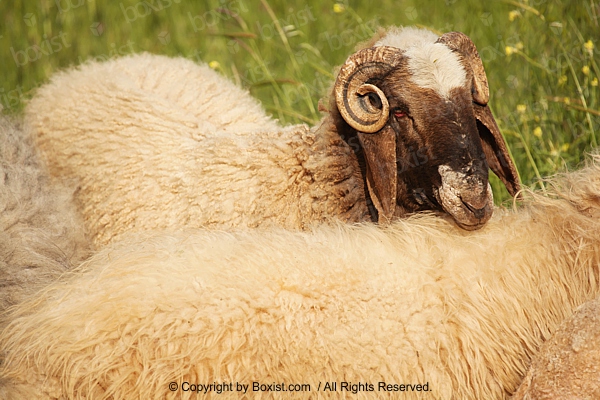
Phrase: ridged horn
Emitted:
{"points": [[462, 44], [362, 104]]}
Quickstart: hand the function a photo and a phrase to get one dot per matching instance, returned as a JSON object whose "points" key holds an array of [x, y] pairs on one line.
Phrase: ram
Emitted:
{"points": [[418, 301], [41, 233], [159, 142]]}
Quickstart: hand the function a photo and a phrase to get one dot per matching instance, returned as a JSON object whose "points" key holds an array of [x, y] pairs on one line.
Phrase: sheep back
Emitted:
{"points": [[417, 302], [156, 142]]}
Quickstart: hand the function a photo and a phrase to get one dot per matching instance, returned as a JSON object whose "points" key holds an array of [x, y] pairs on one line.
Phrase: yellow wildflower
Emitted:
{"points": [[565, 147], [589, 46], [519, 46], [585, 70], [562, 80], [537, 132], [521, 108], [214, 64], [594, 82], [510, 50], [339, 8], [514, 14]]}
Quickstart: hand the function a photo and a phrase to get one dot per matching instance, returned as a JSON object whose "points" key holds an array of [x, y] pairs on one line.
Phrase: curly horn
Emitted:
{"points": [[362, 104]]}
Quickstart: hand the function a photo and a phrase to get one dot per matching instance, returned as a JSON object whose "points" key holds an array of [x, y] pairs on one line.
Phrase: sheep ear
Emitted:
{"points": [[494, 147], [382, 173]]}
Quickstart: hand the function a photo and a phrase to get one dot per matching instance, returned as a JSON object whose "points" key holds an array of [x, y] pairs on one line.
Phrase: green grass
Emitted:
{"points": [[541, 57]]}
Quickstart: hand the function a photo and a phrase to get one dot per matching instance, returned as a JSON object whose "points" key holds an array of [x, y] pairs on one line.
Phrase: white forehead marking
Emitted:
{"points": [[404, 38], [432, 65]]}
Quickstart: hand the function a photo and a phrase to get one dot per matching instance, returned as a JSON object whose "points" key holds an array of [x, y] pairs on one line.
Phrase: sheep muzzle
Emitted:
{"points": [[468, 198]]}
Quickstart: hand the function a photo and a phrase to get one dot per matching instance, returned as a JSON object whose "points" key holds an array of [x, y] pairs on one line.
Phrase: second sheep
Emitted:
{"points": [[156, 142]]}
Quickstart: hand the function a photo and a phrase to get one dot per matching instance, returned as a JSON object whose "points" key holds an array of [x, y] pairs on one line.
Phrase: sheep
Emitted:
{"points": [[568, 365], [41, 234], [419, 301], [157, 142]]}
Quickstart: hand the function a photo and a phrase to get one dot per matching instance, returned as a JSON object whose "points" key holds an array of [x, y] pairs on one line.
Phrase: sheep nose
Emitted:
{"points": [[477, 207], [475, 196], [466, 197]]}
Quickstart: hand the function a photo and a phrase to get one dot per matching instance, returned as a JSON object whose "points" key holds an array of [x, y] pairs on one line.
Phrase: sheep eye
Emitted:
{"points": [[399, 114]]}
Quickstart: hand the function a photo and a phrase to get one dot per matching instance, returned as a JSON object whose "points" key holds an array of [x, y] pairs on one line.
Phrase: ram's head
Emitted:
{"points": [[427, 135]]}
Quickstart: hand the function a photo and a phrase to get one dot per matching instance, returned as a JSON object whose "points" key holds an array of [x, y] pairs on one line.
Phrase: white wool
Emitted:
{"points": [[435, 66], [406, 37], [432, 65]]}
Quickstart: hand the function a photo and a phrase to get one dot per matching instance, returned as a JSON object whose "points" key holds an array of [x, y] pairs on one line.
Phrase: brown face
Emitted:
{"points": [[426, 144], [440, 160]]}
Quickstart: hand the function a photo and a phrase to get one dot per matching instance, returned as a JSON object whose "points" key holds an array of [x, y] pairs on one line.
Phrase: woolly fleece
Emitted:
{"points": [[41, 234], [156, 142], [419, 301]]}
